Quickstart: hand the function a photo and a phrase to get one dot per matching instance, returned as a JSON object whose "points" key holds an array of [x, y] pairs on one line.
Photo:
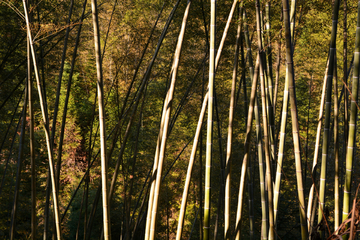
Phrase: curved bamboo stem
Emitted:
{"points": [[166, 114]]}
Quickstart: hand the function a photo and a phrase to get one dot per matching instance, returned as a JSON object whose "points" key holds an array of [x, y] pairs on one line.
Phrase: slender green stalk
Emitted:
{"points": [[68, 89], [269, 78], [277, 74], [310, 207], [294, 118], [265, 112], [46, 127], [31, 143], [230, 134], [18, 169], [345, 76], [352, 122], [267, 154], [210, 121], [284, 115], [264, 220], [326, 135], [267, 88], [247, 150], [189, 171], [336, 150], [53, 128], [100, 90], [222, 170]]}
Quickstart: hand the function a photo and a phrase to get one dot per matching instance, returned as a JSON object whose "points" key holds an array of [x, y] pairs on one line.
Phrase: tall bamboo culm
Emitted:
{"points": [[247, 150], [209, 121], [266, 115], [32, 150], [311, 202], [227, 211], [166, 113], [100, 91], [156, 158], [326, 135], [294, 118], [336, 149], [189, 171], [352, 123], [46, 127], [264, 220]]}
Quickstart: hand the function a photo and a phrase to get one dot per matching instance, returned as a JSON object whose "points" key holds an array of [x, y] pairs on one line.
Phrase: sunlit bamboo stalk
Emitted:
{"points": [[166, 113], [210, 121], [230, 133], [310, 213], [352, 123], [294, 118], [100, 91], [281, 152], [189, 171], [46, 126], [266, 114], [156, 158], [326, 135]]}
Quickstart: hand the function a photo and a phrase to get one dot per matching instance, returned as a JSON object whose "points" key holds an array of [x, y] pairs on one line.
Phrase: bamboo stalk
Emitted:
{"points": [[227, 211], [266, 120], [46, 127], [166, 114], [189, 171], [345, 76], [100, 90], [53, 128], [294, 118], [18, 169], [336, 149], [212, 70], [147, 75], [281, 153], [277, 75], [326, 135], [247, 150], [32, 147], [352, 123], [68, 89], [310, 213], [221, 45]]}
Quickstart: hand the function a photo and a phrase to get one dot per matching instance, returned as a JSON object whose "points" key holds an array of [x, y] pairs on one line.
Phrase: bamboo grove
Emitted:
{"points": [[179, 119]]}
